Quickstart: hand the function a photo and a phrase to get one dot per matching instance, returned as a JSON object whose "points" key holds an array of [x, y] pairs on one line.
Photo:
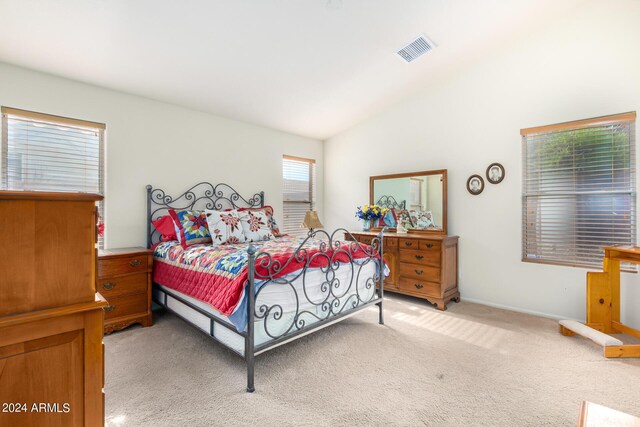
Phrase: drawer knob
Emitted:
{"points": [[418, 286], [429, 245], [135, 263], [109, 308], [108, 286], [419, 271], [408, 243], [419, 256]]}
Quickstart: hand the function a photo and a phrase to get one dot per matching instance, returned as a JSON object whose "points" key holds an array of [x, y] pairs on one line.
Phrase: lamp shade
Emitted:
{"points": [[311, 220]]}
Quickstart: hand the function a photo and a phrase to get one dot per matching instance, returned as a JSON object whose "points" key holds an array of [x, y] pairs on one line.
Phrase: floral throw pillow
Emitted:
{"points": [[422, 219], [191, 227], [272, 221], [225, 227], [256, 226], [403, 217]]}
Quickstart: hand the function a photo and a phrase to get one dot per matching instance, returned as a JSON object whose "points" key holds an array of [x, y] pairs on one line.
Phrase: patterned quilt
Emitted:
{"points": [[217, 274]]}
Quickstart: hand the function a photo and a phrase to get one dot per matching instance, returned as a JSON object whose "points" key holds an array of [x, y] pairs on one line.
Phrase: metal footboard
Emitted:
{"points": [[337, 299]]}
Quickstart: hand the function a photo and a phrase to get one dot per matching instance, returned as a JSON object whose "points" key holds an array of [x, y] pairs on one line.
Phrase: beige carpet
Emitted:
{"points": [[471, 365]]}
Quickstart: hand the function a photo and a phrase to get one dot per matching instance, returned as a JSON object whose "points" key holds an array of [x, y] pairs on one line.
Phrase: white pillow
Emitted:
{"points": [[225, 227], [256, 227]]}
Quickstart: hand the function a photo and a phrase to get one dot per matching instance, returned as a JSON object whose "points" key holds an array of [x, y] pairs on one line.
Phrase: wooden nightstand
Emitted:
{"points": [[124, 280]]}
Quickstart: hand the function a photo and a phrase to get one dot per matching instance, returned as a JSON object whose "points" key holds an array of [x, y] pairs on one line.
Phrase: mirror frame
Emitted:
{"points": [[442, 172]]}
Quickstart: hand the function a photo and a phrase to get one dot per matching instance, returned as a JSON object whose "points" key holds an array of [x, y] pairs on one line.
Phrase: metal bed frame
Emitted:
{"points": [[262, 266]]}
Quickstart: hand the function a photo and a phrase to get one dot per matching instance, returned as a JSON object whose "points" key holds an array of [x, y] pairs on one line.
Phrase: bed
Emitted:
{"points": [[253, 297]]}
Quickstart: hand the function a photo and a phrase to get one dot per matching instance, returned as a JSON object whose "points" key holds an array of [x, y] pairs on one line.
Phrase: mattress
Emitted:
{"points": [[304, 295], [217, 274]]}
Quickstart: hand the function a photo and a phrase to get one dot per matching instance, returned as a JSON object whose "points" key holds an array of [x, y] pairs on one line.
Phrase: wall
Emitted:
{"points": [[170, 147], [583, 65]]}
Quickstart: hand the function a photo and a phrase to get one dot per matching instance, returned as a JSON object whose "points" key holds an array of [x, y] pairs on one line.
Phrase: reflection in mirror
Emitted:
{"points": [[415, 201]]}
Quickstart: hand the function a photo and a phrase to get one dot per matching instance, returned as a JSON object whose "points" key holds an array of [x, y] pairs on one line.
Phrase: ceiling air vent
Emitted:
{"points": [[416, 49]]}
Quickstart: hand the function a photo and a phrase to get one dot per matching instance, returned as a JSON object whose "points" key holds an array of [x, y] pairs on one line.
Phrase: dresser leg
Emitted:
{"points": [[440, 304], [148, 321]]}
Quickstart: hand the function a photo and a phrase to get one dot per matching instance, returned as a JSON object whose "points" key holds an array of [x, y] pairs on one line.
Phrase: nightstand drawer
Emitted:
{"points": [[123, 285], [122, 265], [420, 257], [126, 305]]}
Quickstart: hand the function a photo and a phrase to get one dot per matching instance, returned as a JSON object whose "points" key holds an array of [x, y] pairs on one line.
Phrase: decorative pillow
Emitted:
{"points": [[404, 218], [272, 221], [225, 227], [166, 228], [255, 225], [191, 227], [422, 219], [388, 220]]}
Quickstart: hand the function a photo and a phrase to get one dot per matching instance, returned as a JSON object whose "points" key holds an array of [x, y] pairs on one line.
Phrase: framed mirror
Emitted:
{"points": [[416, 200]]}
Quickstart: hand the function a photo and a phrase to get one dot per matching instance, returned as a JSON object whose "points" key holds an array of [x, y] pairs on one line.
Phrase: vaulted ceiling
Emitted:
{"points": [[309, 67]]}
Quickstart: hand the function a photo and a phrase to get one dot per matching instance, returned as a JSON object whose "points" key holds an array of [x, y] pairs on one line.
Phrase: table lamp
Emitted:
{"points": [[311, 221]]}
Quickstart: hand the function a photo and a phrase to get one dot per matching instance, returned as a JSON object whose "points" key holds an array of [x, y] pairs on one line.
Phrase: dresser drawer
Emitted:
{"points": [[420, 257], [390, 242], [126, 305], [409, 244], [420, 272], [124, 265], [365, 239], [123, 285], [430, 245], [419, 286]]}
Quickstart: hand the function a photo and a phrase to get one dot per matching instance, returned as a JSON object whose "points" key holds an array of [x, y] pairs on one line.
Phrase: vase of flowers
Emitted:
{"points": [[368, 213]]}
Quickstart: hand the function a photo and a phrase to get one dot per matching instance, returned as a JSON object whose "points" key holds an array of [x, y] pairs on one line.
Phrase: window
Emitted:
{"points": [[41, 152], [298, 192], [578, 190]]}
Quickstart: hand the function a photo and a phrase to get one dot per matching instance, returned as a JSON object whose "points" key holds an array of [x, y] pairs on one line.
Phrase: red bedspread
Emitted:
{"points": [[217, 274]]}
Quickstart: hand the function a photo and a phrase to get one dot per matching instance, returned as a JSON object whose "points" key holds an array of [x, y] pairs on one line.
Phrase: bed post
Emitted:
{"points": [[149, 188], [249, 341], [381, 275]]}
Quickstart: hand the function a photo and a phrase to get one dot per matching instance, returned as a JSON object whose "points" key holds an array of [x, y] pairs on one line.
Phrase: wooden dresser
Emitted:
{"points": [[421, 265], [51, 319], [124, 279]]}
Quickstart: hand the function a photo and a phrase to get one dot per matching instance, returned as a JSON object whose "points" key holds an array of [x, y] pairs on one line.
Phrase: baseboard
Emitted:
{"points": [[518, 309]]}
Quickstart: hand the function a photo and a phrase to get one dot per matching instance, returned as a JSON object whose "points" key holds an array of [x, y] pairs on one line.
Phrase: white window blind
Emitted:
{"points": [[579, 190], [41, 152], [298, 192]]}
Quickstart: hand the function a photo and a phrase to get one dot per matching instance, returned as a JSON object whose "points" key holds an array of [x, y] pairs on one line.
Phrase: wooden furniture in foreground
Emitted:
{"points": [[593, 415], [603, 303], [51, 318], [124, 280], [421, 265]]}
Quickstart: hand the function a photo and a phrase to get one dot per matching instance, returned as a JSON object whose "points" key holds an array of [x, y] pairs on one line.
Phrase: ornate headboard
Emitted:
{"points": [[201, 196], [391, 203]]}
